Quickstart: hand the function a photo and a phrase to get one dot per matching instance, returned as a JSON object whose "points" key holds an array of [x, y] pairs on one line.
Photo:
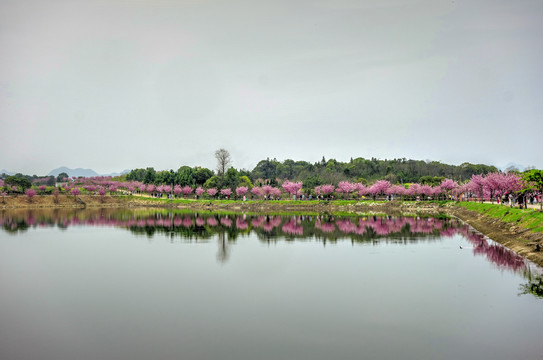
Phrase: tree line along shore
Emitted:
{"points": [[513, 188]]}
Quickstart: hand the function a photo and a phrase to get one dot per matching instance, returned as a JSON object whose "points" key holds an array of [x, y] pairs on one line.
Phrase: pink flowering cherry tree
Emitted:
{"points": [[448, 185], [160, 190], [293, 188], [346, 188], [211, 192], [113, 189], [56, 193], [177, 190], [187, 190], [30, 193], [476, 186], [379, 188], [241, 190], [102, 193], [226, 192], [257, 190], [426, 190], [150, 189], [396, 190], [325, 190], [275, 192], [437, 191], [362, 189]]}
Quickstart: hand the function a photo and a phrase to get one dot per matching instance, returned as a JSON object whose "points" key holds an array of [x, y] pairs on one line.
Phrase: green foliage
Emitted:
{"points": [[395, 171], [391, 178], [331, 171], [312, 181], [535, 177], [265, 169], [231, 179], [362, 180], [245, 181], [61, 176], [213, 182], [165, 177], [534, 287], [185, 176], [201, 175], [272, 182], [431, 180], [18, 180], [150, 175], [136, 175]]}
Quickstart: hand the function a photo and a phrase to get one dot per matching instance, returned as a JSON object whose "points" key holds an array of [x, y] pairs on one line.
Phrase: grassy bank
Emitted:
{"points": [[526, 219]]}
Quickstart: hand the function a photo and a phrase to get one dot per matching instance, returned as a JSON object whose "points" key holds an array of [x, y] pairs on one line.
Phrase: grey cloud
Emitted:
{"points": [[111, 85]]}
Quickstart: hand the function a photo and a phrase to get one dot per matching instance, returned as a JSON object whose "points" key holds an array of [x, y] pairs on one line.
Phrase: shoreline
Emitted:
{"points": [[525, 242]]}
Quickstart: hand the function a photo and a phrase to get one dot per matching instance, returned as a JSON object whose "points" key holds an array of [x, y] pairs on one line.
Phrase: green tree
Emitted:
{"points": [[165, 177], [61, 176], [18, 180], [431, 180], [136, 175], [201, 175], [311, 182], [245, 181], [534, 178], [213, 182], [185, 176], [265, 169], [231, 179], [362, 181], [150, 175]]}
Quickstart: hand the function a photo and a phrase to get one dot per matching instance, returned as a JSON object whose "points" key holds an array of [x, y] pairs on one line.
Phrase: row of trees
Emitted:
{"points": [[397, 171], [364, 170], [491, 187], [270, 172], [34, 179]]}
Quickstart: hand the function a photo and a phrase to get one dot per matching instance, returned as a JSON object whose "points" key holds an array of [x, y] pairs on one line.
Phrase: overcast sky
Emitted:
{"points": [[122, 84]]}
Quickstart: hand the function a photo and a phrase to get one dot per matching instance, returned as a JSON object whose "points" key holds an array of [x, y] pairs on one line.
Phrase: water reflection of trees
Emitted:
{"points": [[204, 226], [189, 227], [534, 286], [494, 252], [506, 259]]}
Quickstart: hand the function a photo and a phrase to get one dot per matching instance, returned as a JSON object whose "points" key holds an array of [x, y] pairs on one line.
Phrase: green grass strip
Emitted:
{"points": [[525, 218]]}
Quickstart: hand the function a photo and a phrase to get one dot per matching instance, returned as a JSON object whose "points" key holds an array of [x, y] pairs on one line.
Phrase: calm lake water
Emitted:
{"points": [[121, 284]]}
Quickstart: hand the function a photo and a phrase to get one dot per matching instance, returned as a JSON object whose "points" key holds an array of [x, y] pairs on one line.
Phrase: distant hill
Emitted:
{"points": [[126, 171], [73, 172], [513, 166], [82, 172], [4, 171]]}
